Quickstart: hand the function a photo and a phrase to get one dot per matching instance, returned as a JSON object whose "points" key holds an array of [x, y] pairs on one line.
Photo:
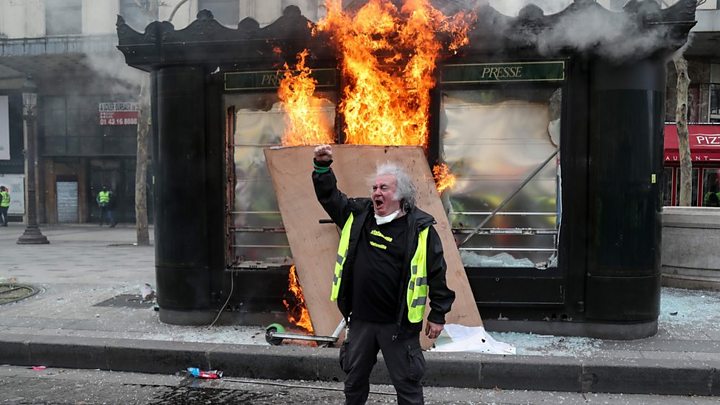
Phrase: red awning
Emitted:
{"points": [[704, 143]]}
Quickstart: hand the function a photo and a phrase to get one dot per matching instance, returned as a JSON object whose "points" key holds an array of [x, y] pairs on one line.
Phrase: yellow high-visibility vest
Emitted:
{"points": [[417, 290], [104, 197], [4, 199], [341, 256]]}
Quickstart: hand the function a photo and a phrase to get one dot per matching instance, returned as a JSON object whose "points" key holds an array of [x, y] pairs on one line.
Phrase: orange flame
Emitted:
{"points": [[306, 125], [298, 314], [388, 60], [443, 178]]}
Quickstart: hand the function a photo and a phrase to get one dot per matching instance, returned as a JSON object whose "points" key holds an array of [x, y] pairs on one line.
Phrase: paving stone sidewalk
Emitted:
{"points": [[87, 265]]}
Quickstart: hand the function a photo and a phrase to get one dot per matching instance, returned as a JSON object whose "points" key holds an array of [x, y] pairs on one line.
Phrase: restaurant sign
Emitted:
{"points": [[118, 113], [704, 141]]}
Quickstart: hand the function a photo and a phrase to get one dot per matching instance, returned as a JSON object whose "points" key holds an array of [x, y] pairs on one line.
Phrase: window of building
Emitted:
{"points": [[70, 127], [668, 182], [138, 13], [711, 187], [617, 4], [226, 12], [63, 17], [693, 112], [715, 103]]}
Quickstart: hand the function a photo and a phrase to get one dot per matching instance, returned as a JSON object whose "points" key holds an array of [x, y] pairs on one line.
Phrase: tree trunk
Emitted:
{"points": [[150, 8], [143, 129], [683, 82]]}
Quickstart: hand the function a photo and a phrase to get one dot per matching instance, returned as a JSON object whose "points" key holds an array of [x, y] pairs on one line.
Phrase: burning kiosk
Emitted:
{"points": [[551, 124]]}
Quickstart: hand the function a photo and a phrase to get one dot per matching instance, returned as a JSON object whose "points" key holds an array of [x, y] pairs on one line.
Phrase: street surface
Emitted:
{"points": [[23, 385]]}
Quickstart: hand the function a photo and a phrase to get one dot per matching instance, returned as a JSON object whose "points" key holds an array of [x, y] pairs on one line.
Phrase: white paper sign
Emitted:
{"points": [[16, 184]]}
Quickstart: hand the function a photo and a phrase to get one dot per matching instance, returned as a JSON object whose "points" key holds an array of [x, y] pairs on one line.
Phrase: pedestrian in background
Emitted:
{"points": [[389, 263], [4, 205], [105, 202]]}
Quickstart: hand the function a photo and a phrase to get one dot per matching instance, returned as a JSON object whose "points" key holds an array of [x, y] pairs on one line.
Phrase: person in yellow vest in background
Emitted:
{"points": [[4, 205], [389, 265], [105, 202]]}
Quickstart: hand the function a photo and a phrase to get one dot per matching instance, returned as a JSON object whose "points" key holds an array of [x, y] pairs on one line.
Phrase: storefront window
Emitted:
{"points": [[667, 188], [493, 141], [711, 187], [259, 237]]}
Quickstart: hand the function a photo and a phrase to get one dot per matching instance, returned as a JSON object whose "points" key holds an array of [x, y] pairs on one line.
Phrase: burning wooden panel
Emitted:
{"points": [[314, 245]]}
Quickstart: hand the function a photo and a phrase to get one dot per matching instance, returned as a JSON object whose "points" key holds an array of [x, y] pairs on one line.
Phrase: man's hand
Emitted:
{"points": [[432, 330], [323, 153]]}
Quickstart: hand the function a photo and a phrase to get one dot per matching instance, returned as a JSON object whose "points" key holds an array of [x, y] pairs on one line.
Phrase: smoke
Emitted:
{"points": [[512, 7], [577, 26], [614, 35], [119, 77]]}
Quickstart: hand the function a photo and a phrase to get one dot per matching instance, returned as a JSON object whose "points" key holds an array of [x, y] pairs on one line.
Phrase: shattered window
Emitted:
{"points": [[259, 238], [503, 147]]}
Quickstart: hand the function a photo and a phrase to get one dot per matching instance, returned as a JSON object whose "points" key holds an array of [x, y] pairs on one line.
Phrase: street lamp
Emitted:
{"points": [[32, 234]]}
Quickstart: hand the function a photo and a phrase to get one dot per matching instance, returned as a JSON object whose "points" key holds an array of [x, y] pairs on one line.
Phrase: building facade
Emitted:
{"points": [[88, 99]]}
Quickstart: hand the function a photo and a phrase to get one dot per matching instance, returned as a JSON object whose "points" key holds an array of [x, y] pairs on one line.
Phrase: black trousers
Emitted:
{"points": [[403, 358], [106, 213], [4, 216]]}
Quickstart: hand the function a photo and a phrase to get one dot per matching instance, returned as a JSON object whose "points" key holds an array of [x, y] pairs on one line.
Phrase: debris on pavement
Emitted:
{"points": [[459, 338], [209, 374]]}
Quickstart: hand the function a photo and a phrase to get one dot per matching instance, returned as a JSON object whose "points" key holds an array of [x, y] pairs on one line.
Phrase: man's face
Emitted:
{"points": [[383, 195]]}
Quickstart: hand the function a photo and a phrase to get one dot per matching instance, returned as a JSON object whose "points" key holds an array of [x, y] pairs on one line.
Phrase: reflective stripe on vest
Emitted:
{"points": [[4, 199], [417, 291], [341, 256], [104, 196]]}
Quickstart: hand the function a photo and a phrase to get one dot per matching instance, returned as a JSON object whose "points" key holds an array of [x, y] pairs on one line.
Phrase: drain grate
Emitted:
{"points": [[126, 301], [15, 292]]}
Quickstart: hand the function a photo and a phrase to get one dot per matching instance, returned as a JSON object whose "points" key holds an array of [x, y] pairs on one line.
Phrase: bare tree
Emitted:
{"points": [[141, 164], [681, 113], [681, 109], [150, 9]]}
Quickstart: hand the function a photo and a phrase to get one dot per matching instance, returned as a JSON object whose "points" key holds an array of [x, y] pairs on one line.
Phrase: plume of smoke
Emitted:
{"points": [[616, 36], [453, 6], [122, 79], [512, 7]]}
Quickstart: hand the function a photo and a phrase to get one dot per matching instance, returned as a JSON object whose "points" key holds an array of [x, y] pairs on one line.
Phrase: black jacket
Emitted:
{"points": [[339, 207]]}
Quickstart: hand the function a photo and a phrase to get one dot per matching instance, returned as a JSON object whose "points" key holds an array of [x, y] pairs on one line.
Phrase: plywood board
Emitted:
{"points": [[314, 245]]}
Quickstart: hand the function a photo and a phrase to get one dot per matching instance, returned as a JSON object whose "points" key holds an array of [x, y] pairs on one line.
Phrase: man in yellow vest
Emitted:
{"points": [[4, 205], [105, 202], [389, 264]]}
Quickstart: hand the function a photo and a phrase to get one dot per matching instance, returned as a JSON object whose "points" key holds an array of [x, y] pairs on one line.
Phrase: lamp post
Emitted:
{"points": [[32, 234]]}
